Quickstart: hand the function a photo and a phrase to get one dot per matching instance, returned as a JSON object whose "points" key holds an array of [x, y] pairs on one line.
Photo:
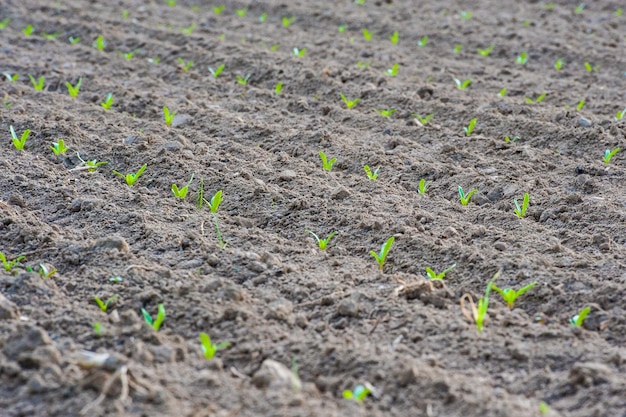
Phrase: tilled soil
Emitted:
{"points": [[305, 324]]}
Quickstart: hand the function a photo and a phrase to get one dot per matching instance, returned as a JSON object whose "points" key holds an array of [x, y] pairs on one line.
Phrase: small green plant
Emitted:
{"points": [[465, 199], [470, 127], [171, 3], [478, 315], [10, 264], [579, 9], [466, 15], [188, 30], [510, 295], [522, 58], [92, 165], [322, 243], [216, 72], [544, 408], [4, 23], [359, 393], [422, 42], [104, 305], [59, 147], [439, 276], [591, 68], [50, 36], [349, 103], [97, 328], [486, 51], [558, 64], [214, 205], [168, 116], [510, 140], [154, 60], [100, 43], [327, 165], [608, 154], [365, 64], [241, 12], [457, 48], [125, 14], [263, 17], [11, 77], [502, 93], [287, 21], [372, 175], [243, 80], [156, 323], [38, 84], [423, 186], [393, 71], [28, 30], [620, 114], [537, 100], [132, 177], [423, 121], [367, 35], [185, 65], [618, 12], [209, 349], [520, 211], [21, 141], [462, 85], [580, 105], [182, 192], [579, 318], [108, 102], [45, 273], [395, 37], [381, 256], [299, 52], [218, 9], [386, 112], [278, 87], [74, 89]]}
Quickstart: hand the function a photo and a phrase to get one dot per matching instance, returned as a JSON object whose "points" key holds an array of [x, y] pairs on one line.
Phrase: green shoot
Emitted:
{"points": [[439, 276], [470, 127], [386, 112], [579, 318], [132, 177], [591, 68], [462, 85], [322, 243], [209, 349], [620, 114], [115, 280], [510, 295], [9, 265], [395, 37], [169, 117], [92, 165], [11, 78], [537, 100], [188, 30], [108, 102], [327, 165], [154, 60], [4, 23], [299, 52], [38, 84], [521, 211], [45, 273], [278, 88], [381, 257], [466, 15], [155, 324], [486, 51], [478, 314], [59, 147], [341, 28], [104, 305], [185, 65], [28, 30], [422, 42], [214, 205], [423, 186], [349, 103], [522, 58], [619, 12], [215, 202], [182, 192], [359, 394], [216, 72], [558, 64], [544, 408], [97, 328], [171, 3], [580, 105], [465, 199], [73, 89], [125, 14], [241, 12], [218, 9], [100, 43], [513, 139], [608, 154], [393, 71], [372, 175], [367, 35], [502, 93], [423, 120], [579, 9], [19, 142], [243, 80], [457, 48], [287, 21], [365, 64], [50, 36], [263, 17]]}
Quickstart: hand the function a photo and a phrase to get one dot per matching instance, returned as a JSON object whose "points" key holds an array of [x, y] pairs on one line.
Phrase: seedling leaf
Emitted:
{"points": [[381, 257]]}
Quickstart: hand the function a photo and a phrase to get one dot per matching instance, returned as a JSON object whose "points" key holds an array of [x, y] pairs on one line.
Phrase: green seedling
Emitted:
{"points": [[287, 21], [395, 37], [579, 9], [274, 48], [97, 328], [116, 280], [171, 3], [74, 89], [44, 272], [457, 48], [185, 65], [349, 103], [510, 295], [462, 85], [182, 192], [217, 71], [591, 68], [214, 205], [38, 84], [59, 147], [92, 165], [10, 264], [243, 80], [125, 14], [278, 88], [359, 393], [218, 9], [386, 112], [241, 12], [549, 6], [127, 55], [215, 202], [537, 100], [423, 186], [439, 276], [21, 141], [341, 28], [423, 121], [502, 93], [608, 154], [466, 15], [381, 257], [544, 408], [580, 105], [618, 12], [28, 30], [478, 315], [209, 349], [50, 36], [465, 199], [372, 175], [510, 140], [470, 127], [522, 58], [322, 243], [104, 305], [367, 35], [100, 43], [263, 17], [299, 52], [327, 164], [620, 114], [156, 323], [132, 177], [169, 116], [422, 42], [579, 318], [188, 30], [521, 211], [4, 23], [108, 102], [393, 71], [154, 60], [486, 51], [365, 64], [11, 77], [558, 64]]}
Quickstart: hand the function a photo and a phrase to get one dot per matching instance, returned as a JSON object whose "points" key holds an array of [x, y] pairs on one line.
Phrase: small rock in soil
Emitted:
{"points": [[280, 309], [287, 175], [275, 375], [501, 246], [584, 122], [181, 119], [112, 242]]}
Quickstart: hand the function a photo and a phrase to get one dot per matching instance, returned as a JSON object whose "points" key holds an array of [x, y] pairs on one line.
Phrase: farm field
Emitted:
{"points": [[437, 99]]}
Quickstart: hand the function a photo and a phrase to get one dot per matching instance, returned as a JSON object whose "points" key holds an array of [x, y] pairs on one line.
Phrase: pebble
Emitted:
{"points": [[280, 309], [275, 375], [501, 246], [181, 119], [583, 122], [287, 175], [112, 242]]}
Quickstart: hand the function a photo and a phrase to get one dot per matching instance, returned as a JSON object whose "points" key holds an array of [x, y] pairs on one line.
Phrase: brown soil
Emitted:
{"points": [[271, 292]]}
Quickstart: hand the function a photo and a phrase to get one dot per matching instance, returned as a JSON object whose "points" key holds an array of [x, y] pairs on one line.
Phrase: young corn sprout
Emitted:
{"points": [[38, 84], [522, 58], [299, 53], [243, 80], [608, 154], [74, 89], [327, 164], [537, 100], [214, 205], [154, 323], [218, 9], [502, 93], [395, 36], [486, 51], [108, 102], [439, 276], [422, 186], [104, 305], [591, 68], [520, 211], [465, 199], [322, 243], [59, 147], [367, 35], [386, 112], [99, 43], [278, 88], [422, 42], [349, 103], [457, 48], [10, 264], [28, 30], [579, 318], [359, 393], [92, 165], [558, 64], [185, 65], [73, 40], [11, 77], [372, 175], [216, 72], [209, 349], [470, 127], [393, 71], [169, 117], [478, 314], [381, 256], [422, 121], [287, 21], [20, 142], [132, 177], [462, 85], [182, 192], [620, 114], [45, 273], [510, 295]]}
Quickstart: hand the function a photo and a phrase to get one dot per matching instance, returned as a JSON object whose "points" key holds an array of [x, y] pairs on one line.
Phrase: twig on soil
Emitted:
{"points": [[145, 268], [466, 313], [238, 374], [122, 374]]}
